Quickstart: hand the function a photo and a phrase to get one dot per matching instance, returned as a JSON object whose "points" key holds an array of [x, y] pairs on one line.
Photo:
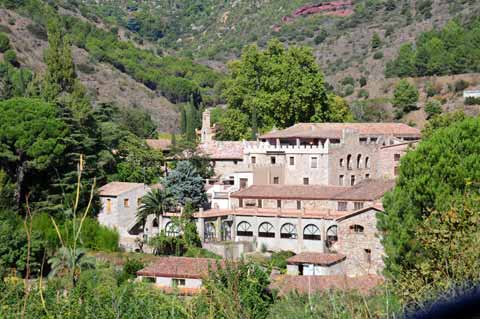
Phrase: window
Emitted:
{"points": [[288, 231], [299, 204], [349, 161], [396, 170], [342, 206], [109, 205], [240, 202], [332, 236], [273, 159], [243, 183], [357, 228], [292, 160], [341, 163], [276, 180], [367, 162], [359, 160], [357, 205], [367, 176], [226, 231], [396, 157], [126, 203], [253, 160], [314, 162], [259, 203], [352, 180], [177, 282], [341, 180], [244, 229], [235, 162], [311, 232], [306, 181], [279, 203], [155, 222], [266, 230], [172, 230], [368, 255], [209, 232]]}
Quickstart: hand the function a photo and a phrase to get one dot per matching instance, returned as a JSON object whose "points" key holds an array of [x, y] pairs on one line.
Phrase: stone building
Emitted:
{"points": [[120, 202], [316, 264]]}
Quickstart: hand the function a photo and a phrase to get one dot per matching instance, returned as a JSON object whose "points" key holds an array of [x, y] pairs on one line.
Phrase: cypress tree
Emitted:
{"points": [[190, 131], [183, 120], [254, 123]]}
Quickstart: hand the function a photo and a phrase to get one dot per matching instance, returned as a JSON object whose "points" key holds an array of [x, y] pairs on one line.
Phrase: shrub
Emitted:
{"points": [[348, 80], [363, 94], [4, 42], [38, 31], [378, 55], [472, 100], [431, 90], [362, 81], [86, 68], [460, 85], [278, 260], [320, 37], [10, 57], [348, 90], [432, 108]]}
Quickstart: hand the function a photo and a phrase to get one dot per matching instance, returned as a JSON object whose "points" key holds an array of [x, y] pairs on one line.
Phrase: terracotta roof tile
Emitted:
{"points": [[118, 188], [285, 284], [271, 212], [222, 150], [181, 267], [335, 130], [363, 191], [322, 259], [161, 144]]}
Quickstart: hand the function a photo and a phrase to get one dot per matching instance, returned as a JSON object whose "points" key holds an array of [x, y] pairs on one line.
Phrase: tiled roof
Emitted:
{"points": [[335, 130], [363, 191], [181, 267], [285, 284], [272, 212], [222, 150], [117, 188], [322, 259], [161, 144]]}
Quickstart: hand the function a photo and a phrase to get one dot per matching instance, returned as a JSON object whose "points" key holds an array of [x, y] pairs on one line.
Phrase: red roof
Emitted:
{"points": [[335, 130], [118, 188], [179, 267], [222, 150], [366, 190], [321, 259], [311, 284], [272, 212]]}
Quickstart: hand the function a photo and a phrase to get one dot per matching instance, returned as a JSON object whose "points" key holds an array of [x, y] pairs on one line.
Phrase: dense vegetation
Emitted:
{"points": [[455, 49]]}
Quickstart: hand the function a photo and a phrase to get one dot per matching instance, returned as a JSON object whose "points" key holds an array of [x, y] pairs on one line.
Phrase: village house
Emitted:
{"points": [[181, 274], [316, 264]]}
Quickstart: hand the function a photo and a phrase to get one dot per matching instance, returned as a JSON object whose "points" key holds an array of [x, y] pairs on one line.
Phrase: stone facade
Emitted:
{"points": [[360, 241]]}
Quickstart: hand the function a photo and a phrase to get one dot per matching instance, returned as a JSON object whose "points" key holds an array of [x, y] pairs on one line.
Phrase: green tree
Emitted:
{"points": [[31, 143], [4, 42], [284, 86], [376, 41], [157, 202], [186, 184], [432, 108], [405, 98], [233, 125], [432, 177]]}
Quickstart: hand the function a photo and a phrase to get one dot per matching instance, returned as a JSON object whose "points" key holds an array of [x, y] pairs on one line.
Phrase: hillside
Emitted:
{"points": [[340, 33]]}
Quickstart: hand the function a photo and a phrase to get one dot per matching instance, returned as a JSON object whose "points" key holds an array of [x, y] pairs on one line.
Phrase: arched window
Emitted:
{"points": [[311, 232], [367, 162], [226, 231], [357, 228], [332, 236], [172, 230], [288, 231], [155, 222], [359, 160], [349, 161], [341, 163], [209, 232], [244, 229], [266, 230]]}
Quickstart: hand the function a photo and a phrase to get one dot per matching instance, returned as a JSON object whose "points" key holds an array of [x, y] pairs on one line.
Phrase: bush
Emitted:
{"points": [[320, 37], [10, 57], [4, 42], [86, 68], [363, 94], [348, 80], [431, 90], [348, 90], [38, 31], [460, 85], [432, 108], [378, 55], [362, 81], [472, 100], [278, 260]]}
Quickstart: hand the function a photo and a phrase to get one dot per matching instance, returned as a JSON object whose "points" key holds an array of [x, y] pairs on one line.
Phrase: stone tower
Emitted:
{"points": [[207, 132]]}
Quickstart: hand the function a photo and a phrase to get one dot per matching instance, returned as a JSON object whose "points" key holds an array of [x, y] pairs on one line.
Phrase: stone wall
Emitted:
{"points": [[364, 250]]}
